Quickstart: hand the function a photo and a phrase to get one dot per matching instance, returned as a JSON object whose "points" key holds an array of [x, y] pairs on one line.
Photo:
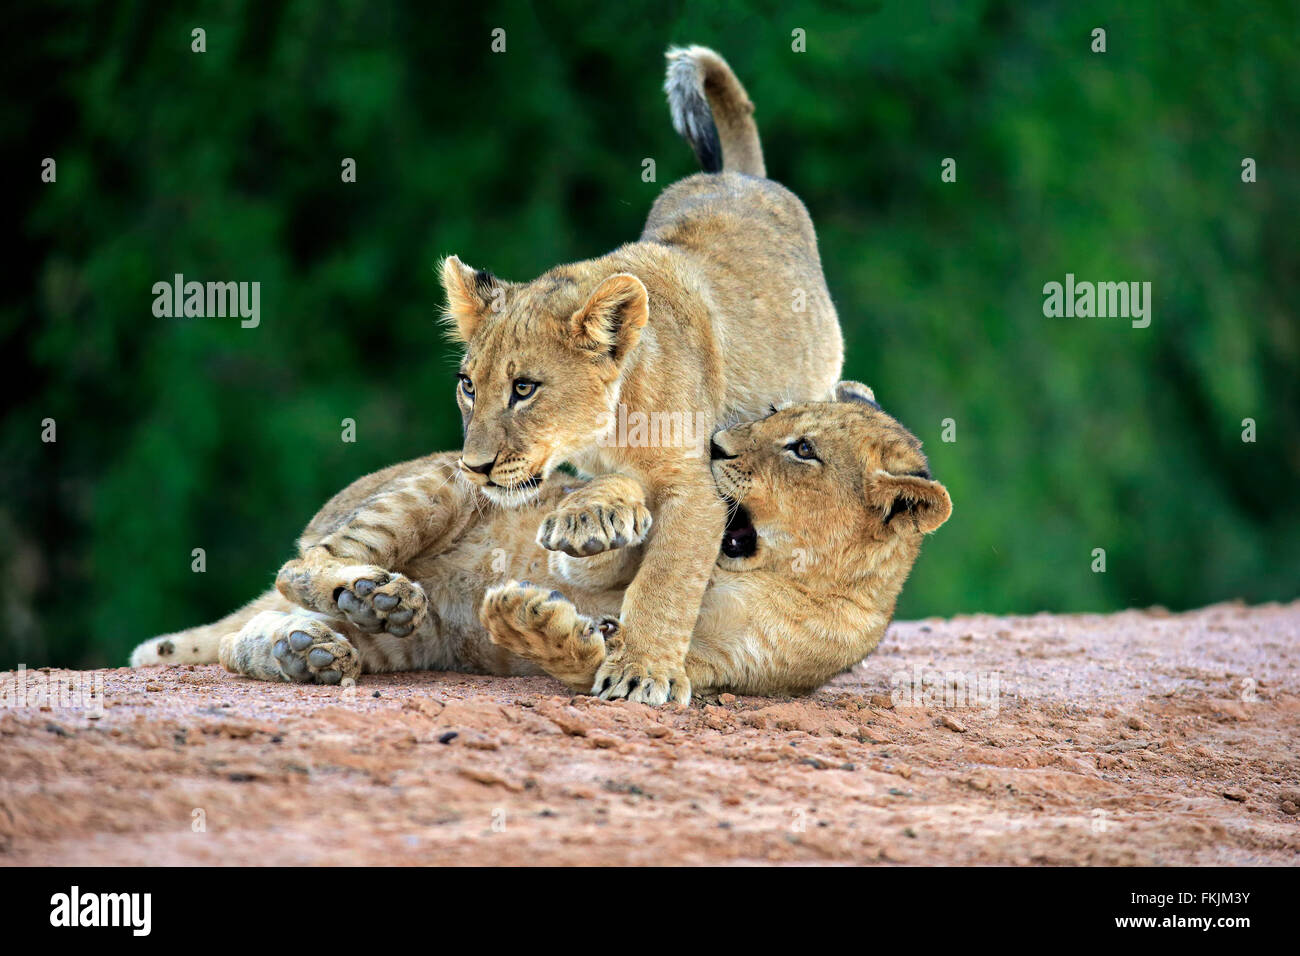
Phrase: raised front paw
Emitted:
{"points": [[544, 627], [582, 527], [639, 679], [310, 652], [377, 600]]}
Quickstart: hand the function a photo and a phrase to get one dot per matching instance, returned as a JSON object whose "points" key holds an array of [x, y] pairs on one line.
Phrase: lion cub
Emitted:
{"points": [[717, 309], [827, 506]]}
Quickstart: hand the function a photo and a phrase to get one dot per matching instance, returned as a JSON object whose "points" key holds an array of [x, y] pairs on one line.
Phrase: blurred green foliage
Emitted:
{"points": [[1072, 434]]}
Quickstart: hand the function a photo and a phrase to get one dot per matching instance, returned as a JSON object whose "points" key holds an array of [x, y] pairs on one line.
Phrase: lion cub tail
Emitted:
{"points": [[712, 111], [201, 645], [198, 645]]}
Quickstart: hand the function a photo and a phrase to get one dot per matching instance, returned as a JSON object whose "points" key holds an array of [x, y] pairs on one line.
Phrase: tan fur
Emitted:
{"points": [[392, 571], [697, 72], [837, 538], [485, 597], [718, 309]]}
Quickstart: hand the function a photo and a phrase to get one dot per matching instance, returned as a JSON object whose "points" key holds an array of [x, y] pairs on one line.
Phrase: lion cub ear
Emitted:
{"points": [[471, 294], [613, 316], [847, 391], [909, 502]]}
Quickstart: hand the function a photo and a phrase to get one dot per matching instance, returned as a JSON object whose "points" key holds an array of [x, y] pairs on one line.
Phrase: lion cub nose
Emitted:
{"points": [[716, 451], [484, 468]]}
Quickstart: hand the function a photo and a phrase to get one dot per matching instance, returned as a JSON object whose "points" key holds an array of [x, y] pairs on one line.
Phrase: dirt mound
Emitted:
{"points": [[1137, 738]]}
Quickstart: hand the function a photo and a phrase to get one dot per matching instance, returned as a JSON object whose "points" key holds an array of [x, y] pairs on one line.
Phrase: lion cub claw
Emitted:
{"points": [[638, 680], [582, 526]]}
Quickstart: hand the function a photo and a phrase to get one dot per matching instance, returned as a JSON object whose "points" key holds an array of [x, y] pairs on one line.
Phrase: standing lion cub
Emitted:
{"points": [[718, 309]]}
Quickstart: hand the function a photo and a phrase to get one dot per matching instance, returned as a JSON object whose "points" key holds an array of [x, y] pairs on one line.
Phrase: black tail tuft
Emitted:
{"points": [[711, 111], [692, 116]]}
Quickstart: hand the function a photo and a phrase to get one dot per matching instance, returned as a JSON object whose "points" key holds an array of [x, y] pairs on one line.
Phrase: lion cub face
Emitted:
{"points": [[541, 369], [837, 478]]}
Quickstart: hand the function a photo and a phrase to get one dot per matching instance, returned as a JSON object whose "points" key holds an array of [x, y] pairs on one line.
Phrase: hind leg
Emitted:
{"points": [[543, 626], [295, 646]]}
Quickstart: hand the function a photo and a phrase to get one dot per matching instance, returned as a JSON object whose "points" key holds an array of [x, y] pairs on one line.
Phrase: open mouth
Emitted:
{"points": [[740, 539]]}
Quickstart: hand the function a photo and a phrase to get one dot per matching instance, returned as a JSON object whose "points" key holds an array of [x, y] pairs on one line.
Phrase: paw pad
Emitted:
{"points": [[376, 600], [312, 653]]}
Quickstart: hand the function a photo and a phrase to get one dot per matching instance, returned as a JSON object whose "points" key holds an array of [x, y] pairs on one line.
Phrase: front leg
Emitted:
{"points": [[348, 556], [648, 661], [544, 627], [368, 597], [595, 533], [606, 513]]}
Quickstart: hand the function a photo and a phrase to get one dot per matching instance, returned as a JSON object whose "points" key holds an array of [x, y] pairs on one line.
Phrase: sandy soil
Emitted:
{"points": [[1137, 738]]}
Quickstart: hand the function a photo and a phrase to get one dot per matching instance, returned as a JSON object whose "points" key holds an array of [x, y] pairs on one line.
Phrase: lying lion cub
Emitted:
{"points": [[827, 501], [718, 308]]}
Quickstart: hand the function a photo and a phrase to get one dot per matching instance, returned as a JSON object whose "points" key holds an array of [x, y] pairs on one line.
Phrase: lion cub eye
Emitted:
{"points": [[524, 388], [466, 386], [803, 450]]}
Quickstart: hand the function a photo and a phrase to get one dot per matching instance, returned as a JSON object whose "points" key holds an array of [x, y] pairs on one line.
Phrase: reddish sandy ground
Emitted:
{"points": [[1138, 738]]}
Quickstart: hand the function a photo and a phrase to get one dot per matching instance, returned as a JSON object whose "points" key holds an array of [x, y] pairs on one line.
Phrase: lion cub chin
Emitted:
{"points": [[827, 506], [692, 321]]}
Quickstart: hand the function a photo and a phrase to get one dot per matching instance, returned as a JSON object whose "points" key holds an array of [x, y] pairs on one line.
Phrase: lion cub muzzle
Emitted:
{"points": [[505, 481]]}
